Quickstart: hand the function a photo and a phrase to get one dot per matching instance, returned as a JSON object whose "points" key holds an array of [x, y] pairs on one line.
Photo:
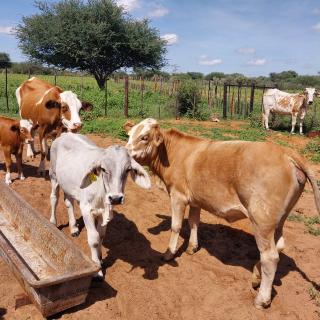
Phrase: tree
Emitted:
{"points": [[5, 61], [96, 36], [195, 75]]}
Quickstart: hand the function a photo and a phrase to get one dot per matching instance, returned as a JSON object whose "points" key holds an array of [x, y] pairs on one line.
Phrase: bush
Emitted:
{"points": [[189, 96]]}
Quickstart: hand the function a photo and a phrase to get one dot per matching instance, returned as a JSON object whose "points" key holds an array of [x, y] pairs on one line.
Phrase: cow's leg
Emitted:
{"points": [[194, 218], [18, 156], [30, 146], [92, 234], [54, 197], [302, 115], [280, 245], [293, 122], [269, 258], [266, 118], [102, 232], [43, 151], [8, 161], [74, 230], [178, 208]]}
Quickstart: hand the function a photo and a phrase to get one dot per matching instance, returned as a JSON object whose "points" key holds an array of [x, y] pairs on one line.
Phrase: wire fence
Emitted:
{"points": [[132, 96]]}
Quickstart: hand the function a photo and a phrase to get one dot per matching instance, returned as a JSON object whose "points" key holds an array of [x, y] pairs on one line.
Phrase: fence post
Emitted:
{"points": [[126, 96], [7, 101], [252, 97], [55, 78], [225, 93]]}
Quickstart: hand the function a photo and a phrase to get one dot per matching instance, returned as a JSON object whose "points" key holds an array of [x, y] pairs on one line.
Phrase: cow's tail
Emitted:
{"points": [[301, 165]]}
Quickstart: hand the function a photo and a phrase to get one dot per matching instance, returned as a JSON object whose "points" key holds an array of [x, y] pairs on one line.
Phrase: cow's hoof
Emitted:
{"points": [[8, 182], [168, 255], [259, 304], [22, 178], [75, 234], [191, 250]]}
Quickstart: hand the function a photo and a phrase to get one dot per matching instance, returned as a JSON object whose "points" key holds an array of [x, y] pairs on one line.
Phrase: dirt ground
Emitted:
{"points": [[214, 283]]}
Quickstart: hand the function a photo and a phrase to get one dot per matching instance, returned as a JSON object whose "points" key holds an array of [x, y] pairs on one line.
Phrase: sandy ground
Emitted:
{"points": [[214, 283]]}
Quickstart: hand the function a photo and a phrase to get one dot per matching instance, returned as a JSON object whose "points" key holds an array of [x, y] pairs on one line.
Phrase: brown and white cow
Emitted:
{"points": [[277, 101], [231, 179], [13, 134], [48, 108]]}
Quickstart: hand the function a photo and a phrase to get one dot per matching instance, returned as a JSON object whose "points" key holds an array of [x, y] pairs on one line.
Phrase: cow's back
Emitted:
{"points": [[33, 94]]}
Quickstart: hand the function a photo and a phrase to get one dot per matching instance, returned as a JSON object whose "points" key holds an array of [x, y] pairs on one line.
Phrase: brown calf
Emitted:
{"points": [[48, 108], [12, 137], [232, 179]]}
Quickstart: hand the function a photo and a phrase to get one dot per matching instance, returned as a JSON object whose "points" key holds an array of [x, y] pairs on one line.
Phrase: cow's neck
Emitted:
{"points": [[163, 162]]}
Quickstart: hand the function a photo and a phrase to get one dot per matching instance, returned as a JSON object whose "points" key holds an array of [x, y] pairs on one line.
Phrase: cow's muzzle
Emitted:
{"points": [[28, 141], [310, 102], [114, 200]]}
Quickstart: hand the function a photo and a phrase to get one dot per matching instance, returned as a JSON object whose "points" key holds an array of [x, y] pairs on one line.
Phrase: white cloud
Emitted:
{"points": [[6, 30], [246, 50], [257, 62], [170, 38], [128, 5], [316, 27], [158, 12], [206, 61]]}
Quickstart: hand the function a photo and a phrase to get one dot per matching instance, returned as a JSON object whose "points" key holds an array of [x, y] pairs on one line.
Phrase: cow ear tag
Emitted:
{"points": [[92, 177]]}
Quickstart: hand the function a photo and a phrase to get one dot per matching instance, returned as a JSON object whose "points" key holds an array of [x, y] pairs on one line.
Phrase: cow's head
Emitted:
{"points": [[70, 107], [113, 167], [23, 128], [144, 140], [309, 93]]}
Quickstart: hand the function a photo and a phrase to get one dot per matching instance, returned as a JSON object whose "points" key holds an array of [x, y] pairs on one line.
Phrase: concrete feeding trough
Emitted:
{"points": [[55, 274]]}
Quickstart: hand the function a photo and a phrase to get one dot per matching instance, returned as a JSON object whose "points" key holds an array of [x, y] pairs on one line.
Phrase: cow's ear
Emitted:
{"points": [[157, 137], [86, 106], [139, 175], [51, 104], [91, 175], [128, 125], [15, 127]]}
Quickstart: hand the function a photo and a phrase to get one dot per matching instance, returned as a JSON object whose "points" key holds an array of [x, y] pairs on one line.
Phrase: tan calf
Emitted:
{"points": [[12, 137], [49, 109], [234, 180]]}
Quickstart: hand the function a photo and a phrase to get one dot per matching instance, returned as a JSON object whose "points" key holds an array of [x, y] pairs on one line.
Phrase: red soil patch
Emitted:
{"points": [[215, 283]]}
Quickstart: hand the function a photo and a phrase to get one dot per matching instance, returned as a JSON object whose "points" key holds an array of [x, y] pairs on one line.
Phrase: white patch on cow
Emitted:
{"points": [[74, 104], [41, 100], [32, 78], [18, 96], [146, 124], [24, 123]]}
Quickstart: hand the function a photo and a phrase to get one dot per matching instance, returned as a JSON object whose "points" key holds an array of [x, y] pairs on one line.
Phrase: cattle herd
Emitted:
{"points": [[233, 179]]}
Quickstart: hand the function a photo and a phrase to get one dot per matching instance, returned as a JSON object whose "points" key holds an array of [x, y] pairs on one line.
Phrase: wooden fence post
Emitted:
{"points": [[252, 97], [126, 96], [55, 78], [6, 93], [225, 93]]}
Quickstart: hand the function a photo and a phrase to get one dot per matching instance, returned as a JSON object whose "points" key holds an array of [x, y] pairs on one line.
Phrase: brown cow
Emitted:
{"points": [[13, 134], [48, 107], [232, 179]]}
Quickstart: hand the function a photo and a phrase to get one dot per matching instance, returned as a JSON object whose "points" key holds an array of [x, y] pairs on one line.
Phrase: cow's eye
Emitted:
{"points": [[144, 138], [64, 108]]}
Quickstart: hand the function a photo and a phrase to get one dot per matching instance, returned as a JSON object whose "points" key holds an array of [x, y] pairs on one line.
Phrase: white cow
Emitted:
{"points": [[95, 178], [281, 102]]}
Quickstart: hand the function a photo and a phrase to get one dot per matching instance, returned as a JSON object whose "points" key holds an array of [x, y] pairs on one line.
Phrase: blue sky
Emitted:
{"points": [[253, 37]]}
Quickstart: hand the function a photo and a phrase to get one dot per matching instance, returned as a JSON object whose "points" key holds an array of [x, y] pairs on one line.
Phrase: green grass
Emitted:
{"points": [[312, 150], [309, 222], [314, 295]]}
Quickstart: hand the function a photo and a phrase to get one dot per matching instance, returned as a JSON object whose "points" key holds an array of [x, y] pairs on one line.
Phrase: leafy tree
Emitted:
{"points": [[195, 75], [215, 75], [94, 35], [5, 61]]}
